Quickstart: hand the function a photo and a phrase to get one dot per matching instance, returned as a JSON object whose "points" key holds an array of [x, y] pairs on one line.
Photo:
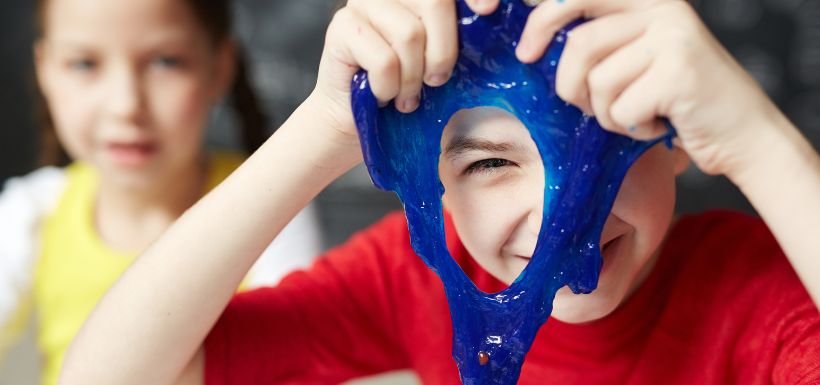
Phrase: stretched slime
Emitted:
{"points": [[584, 166]]}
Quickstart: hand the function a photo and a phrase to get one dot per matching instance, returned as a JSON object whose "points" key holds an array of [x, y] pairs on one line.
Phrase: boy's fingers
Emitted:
{"points": [[652, 129], [608, 79], [369, 51], [482, 7], [637, 107], [406, 35], [441, 52], [586, 47], [551, 15]]}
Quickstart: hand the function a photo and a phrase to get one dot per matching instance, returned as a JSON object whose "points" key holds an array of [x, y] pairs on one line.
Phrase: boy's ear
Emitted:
{"points": [[225, 70]]}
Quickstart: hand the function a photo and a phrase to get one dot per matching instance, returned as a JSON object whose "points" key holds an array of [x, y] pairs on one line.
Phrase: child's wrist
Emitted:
{"points": [[776, 146], [327, 146]]}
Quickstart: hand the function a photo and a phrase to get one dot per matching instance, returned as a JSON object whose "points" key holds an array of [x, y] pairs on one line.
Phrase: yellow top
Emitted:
{"points": [[75, 268]]}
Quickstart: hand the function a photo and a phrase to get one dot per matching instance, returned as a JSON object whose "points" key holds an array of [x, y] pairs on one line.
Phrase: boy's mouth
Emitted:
{"points": [[604, 247], [610, 249], [610, 252]]}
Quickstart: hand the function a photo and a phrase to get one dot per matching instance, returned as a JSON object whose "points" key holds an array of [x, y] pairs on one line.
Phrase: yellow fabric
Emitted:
{"points": [[75, 268]]}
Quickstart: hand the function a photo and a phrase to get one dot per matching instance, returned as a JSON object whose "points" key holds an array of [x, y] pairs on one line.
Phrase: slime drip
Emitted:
{"points": [[583, 164]]}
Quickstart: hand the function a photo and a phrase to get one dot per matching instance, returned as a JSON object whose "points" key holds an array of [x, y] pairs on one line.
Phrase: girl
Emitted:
{"points": [[128, 86], [708, 299]]}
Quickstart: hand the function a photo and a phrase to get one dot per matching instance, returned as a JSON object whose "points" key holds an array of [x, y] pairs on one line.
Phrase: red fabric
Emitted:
{"points": [[721, 306]]}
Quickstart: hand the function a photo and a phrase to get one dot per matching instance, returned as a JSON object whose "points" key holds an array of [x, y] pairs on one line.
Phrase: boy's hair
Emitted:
{"points": [[215, 17]]}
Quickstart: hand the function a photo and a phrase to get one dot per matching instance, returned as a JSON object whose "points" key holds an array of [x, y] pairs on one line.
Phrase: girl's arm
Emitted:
{"points": [[154, 319]]}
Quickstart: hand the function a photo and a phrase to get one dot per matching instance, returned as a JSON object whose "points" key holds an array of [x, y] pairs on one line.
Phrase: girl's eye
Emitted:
{"points": [[167, 62], [82, 65], [487, 165]]}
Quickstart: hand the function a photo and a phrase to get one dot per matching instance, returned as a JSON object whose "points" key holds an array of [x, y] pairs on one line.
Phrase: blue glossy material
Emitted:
{"points": [[583, 164]]}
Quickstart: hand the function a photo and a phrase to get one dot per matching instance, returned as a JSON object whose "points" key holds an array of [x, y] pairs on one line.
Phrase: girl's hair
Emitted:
{"points": [[215, 17]]}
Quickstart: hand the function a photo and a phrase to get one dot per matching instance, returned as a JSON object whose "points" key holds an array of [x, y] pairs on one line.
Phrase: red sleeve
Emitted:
{"points": [[799, 360], [783, 331], [325, 325], [739, 302], [797, 328]]}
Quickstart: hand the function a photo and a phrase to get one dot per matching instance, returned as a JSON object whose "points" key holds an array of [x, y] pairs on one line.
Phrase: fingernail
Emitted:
{"points": [[437, 79], [410, 104]]}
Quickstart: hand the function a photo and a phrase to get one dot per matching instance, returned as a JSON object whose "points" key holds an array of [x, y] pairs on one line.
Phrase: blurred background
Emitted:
{"points": [[778, 41]]}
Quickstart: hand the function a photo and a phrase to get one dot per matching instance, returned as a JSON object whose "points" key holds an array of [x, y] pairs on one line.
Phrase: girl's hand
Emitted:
{"points": [[401, 43], [638, 60]]}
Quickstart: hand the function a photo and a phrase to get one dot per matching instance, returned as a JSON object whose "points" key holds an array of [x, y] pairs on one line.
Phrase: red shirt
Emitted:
{"points": [[721, 306]]}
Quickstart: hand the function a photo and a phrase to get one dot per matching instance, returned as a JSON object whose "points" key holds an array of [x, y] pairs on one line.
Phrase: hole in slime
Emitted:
{"points": [[493, 180]]}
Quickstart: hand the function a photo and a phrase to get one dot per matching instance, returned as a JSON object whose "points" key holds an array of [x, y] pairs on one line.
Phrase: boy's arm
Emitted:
{"points": [[668, 64], [202, 258], [296, 247], [151, 323], [194, 372], [337, 320], [781, 178]]}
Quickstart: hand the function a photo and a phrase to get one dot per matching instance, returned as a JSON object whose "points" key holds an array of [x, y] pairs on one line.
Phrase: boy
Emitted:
{"points": [[717, 302]]}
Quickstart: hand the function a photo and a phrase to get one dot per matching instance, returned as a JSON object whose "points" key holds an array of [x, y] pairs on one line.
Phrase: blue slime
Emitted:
{"points": [[583, 165]]}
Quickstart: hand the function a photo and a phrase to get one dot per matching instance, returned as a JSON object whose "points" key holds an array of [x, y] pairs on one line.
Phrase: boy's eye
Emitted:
{"points": [[82, 65], [167, 62], [487, 165]]}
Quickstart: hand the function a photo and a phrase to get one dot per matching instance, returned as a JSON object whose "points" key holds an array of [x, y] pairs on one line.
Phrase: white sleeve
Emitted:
{"points": [[296, 247], [23, 203]]}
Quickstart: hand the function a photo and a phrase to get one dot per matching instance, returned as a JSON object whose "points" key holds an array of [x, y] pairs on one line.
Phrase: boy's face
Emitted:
{"points": [[494, 181]]}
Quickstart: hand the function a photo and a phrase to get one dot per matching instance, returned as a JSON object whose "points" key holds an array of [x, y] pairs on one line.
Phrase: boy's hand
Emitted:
{"points": [[638, 60], [401, 43]]}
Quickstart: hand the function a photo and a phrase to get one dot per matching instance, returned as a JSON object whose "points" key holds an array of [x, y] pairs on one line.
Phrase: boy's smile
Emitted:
{"points": [[494, 188]]}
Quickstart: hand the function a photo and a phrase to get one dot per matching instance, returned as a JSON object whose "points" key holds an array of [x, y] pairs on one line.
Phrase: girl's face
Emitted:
{"points": [[494, 185], [129, 84]]}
